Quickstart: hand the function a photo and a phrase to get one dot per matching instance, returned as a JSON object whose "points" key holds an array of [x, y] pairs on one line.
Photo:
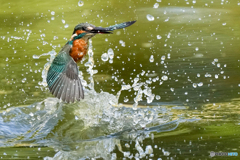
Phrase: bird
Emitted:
{"points": [[62, 77]]}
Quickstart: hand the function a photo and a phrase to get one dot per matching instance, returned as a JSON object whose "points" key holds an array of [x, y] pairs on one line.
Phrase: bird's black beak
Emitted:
{"points": [[100, 30], [111, 28]]}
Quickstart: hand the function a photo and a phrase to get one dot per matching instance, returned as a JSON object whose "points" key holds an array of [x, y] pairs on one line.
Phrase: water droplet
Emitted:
{"points": [[63, 21], [6, 59], [159, 37], [216, 76], [35, 56], [122, 43], [126, 87], [196, 49], [224, 24], [158, 97], [110, 53], [150, 17], [52, 13], [163, 58], [111, 61], [166, 153], [127, 145], [194, 85], [166, 20], [148, 149], [151, 59], [156, 5], [44, 42], [208, 75], [80, 3], [200, 84], [55, 37], [52, 18], [66, 26], [126, 100], [104, 57], [24, 80], [169, 35], [164, 77], [76, 118]]}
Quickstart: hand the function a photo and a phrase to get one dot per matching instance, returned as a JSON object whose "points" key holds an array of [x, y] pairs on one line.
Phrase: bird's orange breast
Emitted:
{"points": [[79, 50]]}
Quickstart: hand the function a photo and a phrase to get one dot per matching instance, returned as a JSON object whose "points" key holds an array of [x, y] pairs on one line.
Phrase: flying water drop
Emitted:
{"points": [[52, 13], [164, 77], [80, 3], [151, 59], [156, 5], [110, 53], [195, 85], [163, 58], [150, 17], [158, 97], [66, 26], [159, 37], [200, 84], [24, 80], [104, 57]]}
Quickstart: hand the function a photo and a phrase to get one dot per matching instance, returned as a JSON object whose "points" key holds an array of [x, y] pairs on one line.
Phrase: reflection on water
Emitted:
{"points": [[93, 124], [96, 124], [168, 87]]}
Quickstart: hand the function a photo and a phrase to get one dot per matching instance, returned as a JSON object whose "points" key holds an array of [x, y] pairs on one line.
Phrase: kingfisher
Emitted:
{"points": [[62, 77]]}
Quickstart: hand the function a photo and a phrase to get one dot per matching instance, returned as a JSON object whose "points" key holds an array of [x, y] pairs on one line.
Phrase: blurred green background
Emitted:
{"points": [[187, 52]]}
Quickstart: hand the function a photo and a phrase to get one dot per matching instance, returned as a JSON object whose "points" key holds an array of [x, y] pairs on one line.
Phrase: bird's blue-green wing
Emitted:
{"points": [[120, 26], [62, 77]]}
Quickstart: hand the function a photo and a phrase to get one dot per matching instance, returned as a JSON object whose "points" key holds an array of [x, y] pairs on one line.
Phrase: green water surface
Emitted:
{"points": [[194, 43]]}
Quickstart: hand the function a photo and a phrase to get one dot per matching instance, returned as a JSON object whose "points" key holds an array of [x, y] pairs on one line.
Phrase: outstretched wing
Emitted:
{"points": [[62, 77], [120, 26]]}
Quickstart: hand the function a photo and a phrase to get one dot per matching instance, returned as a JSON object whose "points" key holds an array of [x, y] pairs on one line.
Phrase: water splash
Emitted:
{"points": [[46, 66], [90, 128], [90, 65]]}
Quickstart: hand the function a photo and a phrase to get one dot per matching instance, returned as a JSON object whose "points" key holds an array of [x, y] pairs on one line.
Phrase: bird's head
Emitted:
{"points": [[87, 31]]}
